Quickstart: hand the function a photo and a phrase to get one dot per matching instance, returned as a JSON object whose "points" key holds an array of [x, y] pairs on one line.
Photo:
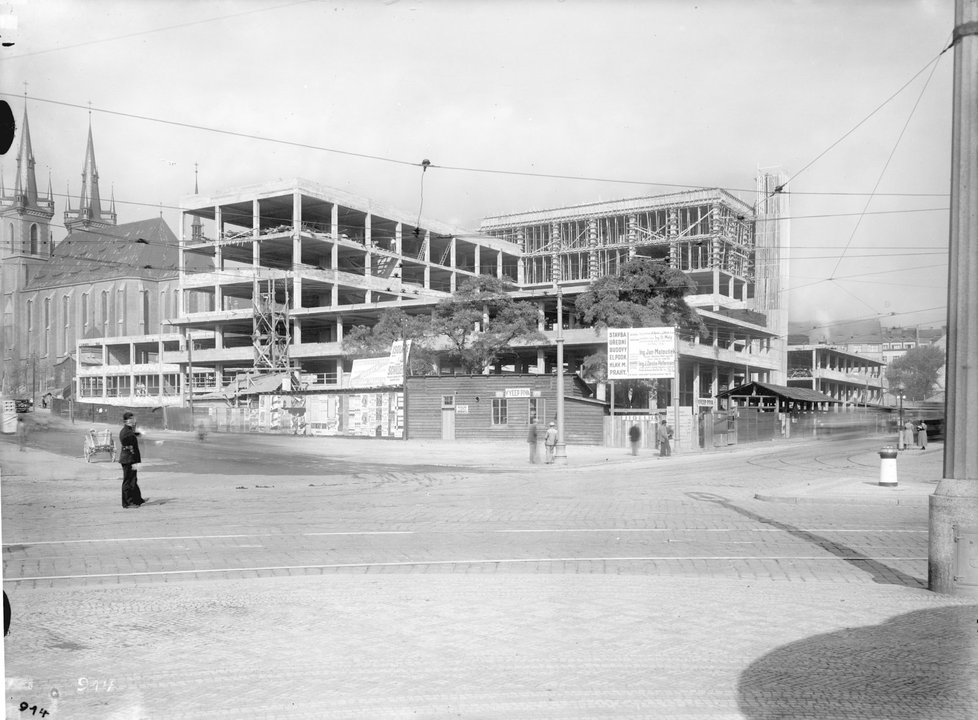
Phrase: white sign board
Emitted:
{"points": [[395, 368], [641, 353]]}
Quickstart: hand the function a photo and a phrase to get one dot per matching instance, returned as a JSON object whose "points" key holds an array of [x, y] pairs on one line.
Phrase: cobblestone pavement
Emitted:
{"points": [[419, 587]]}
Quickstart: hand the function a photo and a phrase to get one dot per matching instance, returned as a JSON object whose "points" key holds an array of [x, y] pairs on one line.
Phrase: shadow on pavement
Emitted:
{"points": [[880, 573], [921, 664]]}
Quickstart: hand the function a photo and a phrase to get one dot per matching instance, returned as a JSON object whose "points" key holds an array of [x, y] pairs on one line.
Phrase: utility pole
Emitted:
{"points": [[560, 451], [954, 504]]}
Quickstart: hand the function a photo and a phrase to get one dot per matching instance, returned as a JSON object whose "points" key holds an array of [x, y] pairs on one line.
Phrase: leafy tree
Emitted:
{"points": [[364, 341], [481, 321], [645, 293], [917, 371]]}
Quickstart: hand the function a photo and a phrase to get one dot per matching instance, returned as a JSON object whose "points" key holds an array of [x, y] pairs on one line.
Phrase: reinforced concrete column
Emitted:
{"points": [[296, 254], [954, 504]]}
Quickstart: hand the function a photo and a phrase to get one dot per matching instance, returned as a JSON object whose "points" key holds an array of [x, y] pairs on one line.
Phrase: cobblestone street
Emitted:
{"points": [[455, 581]]}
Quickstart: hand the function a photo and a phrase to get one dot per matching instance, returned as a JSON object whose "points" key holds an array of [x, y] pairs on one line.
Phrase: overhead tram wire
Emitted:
{"points": [[154, 30], [889, 159], [410, 163], [855, 127]]}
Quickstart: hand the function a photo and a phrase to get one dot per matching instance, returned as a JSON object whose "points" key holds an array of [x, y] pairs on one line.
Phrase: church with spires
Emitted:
{"points": [[99, 279]]}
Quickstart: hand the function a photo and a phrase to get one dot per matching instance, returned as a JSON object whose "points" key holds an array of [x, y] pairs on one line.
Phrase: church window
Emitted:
{"points": [[66, 323], [30, 322], [162, 308], [47, 325], [34, 249], [84, 310], [105, 311], [10, 235], [120, 312], [144, 327]]}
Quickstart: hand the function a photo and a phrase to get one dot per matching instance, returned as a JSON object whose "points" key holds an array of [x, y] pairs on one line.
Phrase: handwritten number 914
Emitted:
{"points": [[24, 707]]}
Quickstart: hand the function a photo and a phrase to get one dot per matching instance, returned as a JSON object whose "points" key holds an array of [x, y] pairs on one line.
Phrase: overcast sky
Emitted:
{"points": [[655, 94]]}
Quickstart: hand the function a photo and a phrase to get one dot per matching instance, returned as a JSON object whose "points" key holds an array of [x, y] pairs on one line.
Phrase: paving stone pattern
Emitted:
{"points": [[614, 588]]}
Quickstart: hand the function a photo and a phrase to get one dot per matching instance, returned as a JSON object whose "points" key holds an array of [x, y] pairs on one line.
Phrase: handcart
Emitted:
{"points": [[99, 441]]}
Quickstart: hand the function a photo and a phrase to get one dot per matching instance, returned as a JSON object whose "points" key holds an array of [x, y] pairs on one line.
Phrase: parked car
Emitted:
{"points": [[24, 405]]}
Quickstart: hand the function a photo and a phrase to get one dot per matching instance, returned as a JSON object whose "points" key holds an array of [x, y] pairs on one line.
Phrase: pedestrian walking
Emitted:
{"points": [[634, 435], [922, 435], [531, 440], [21, 433], [663, 433], [908, 433], [550, 441], [129, 456]]}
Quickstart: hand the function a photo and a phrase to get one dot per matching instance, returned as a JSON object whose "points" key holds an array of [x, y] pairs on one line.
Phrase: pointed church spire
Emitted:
{"points": [[50, 189], [25, 185], [112, 201], [67, 199], [90, 201], [89, 213]]}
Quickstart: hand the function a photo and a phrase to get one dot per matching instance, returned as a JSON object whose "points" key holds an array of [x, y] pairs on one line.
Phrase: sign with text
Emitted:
{"points": [[395, 367], [641, 353], [516, 392]]}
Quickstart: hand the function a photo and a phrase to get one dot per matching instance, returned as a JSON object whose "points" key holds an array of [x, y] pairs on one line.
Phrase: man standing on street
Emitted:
{"points": [[634, 435], [550, 441], [662, 434], [531, 440], [129, 456]]}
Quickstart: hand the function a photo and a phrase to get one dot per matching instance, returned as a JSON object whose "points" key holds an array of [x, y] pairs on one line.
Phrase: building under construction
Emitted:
{"points": [[295, 264]]}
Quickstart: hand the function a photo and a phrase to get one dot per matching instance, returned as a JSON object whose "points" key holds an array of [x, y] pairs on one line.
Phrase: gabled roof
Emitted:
{"points": [[782, 391], [145, 249]]}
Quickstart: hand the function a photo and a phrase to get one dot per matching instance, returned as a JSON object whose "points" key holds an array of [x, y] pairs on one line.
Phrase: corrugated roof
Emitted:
{"points": [[145, 249], [782, 391]]}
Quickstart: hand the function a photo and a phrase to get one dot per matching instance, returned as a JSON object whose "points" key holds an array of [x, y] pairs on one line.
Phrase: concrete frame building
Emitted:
{"points": [[736, 257], [848, 377], [285, 267]]}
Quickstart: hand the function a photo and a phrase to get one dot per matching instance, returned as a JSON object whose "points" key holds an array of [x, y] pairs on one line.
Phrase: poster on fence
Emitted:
{"points": [[641, 353]]}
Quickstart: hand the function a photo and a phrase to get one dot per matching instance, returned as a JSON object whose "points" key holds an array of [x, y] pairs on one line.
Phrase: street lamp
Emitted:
{"points": [[900, 425], [560, 451]]}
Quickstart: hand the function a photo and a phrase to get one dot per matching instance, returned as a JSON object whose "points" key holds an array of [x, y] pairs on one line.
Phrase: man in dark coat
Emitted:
{"points": [[129, 456]]}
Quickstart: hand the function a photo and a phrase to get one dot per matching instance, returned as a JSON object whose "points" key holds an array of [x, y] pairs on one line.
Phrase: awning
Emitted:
{"points": [[783, 392]]}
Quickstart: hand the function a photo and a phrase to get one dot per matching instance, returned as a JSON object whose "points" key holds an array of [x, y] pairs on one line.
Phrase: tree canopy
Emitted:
{"points": [[481, 320], [917, 371], [364, 341], [644, 293]]}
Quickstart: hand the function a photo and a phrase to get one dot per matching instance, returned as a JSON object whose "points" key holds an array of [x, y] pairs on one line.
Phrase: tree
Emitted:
{"points": [[364, 341], [481, 321], [645, 293], [917, 371]]}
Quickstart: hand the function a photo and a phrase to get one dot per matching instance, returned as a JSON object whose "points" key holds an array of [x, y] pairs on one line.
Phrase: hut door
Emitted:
{"points": [[447, 417]]}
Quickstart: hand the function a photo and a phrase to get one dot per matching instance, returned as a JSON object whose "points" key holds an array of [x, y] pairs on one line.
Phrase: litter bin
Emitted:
{"points": [[888, 466]]}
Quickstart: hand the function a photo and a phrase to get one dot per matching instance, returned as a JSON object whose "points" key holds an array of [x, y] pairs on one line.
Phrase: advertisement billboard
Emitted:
{"points": [[641, 353]]}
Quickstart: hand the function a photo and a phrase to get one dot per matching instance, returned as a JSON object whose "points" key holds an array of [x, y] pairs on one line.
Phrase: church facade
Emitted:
{"points": [[102, 279]]}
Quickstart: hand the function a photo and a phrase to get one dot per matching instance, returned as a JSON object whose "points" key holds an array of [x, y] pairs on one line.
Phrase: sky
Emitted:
{"points": [[851, 100]]}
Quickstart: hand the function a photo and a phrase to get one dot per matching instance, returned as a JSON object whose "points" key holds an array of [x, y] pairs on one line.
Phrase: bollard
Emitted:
{"points": [[888, 466]]}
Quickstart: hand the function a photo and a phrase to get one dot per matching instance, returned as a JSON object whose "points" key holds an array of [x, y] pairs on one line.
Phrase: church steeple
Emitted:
{"points": [[89, 213], [26, 216], [25, 185]]}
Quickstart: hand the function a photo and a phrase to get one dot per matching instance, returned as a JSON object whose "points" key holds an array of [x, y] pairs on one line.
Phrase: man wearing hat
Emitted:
{"points": [[550, 441], [129, 456]]}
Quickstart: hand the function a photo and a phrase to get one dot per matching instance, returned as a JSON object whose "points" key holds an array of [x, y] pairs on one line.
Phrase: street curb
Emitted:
{"points": [[915, 501]]}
